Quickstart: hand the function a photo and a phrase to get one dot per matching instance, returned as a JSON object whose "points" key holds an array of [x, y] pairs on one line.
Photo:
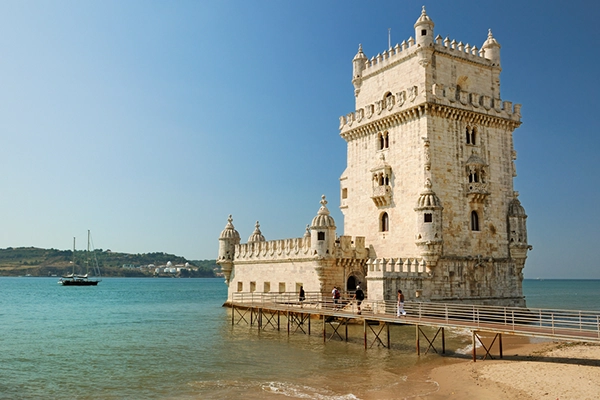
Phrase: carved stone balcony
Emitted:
{"points": [[382, 195], [477, 191]]}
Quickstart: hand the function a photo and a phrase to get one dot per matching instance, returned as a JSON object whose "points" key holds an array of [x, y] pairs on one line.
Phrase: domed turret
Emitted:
{"points": [[491, 49], [517, 224], [424, 30], [256, 235], [322, 232], [227, 241], [358, 66]]}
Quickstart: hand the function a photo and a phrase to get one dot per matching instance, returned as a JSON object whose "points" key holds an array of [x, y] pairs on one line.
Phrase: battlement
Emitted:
{"points": [[408, 48], [403, 105], [271, 250], [346, 248], [297, 248]]}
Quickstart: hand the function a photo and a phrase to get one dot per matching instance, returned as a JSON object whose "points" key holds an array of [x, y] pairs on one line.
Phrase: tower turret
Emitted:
{"points": [[257, 235], [429, 225], [322, 232], [517, 225], [492, 49], [424, 30], [358, 66], [227, 241]]}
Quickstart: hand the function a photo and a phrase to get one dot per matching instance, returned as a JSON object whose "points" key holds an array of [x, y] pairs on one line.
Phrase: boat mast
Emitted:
{"points": [[73, 262], [87, 258]]}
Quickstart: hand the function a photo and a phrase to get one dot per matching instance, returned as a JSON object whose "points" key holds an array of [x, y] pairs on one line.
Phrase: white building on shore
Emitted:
{"points": [[427, 194]]}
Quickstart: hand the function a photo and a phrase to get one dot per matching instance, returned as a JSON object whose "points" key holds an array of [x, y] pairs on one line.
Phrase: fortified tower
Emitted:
{"points": [[427, 195], [430, 168]]}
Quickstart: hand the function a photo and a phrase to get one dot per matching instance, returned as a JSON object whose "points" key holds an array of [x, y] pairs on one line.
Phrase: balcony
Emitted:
{"points": [[382, 195], [477, 191]]}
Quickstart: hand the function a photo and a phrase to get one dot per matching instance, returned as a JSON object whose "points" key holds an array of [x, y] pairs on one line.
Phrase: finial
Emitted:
{"points": [[307, 232], [423, 11], [257, 225], [360, 47], [323, 201], [490, 34]]}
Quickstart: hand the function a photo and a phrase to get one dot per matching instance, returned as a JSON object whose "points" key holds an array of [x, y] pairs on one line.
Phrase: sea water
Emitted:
{"points": [[142, 338]]}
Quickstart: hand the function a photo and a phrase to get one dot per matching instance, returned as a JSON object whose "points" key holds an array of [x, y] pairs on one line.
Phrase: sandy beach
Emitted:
{"points": [[546, 370]]}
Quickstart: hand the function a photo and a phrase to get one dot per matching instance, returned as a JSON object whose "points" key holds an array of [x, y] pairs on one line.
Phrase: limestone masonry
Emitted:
{"points": [[427, 194]]}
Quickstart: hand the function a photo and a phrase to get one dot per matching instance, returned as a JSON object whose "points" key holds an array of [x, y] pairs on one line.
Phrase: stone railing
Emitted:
{"points": [[274, 250], [395, 267]]}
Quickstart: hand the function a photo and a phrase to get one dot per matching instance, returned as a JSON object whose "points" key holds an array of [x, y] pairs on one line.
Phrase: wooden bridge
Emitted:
{"points": [[266, 309]]}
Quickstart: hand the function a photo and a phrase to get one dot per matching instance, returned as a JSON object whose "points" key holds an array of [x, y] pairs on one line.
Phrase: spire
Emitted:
{"points": [[424, 18], [229, 232], [359, 55], [256, 235], [323, 219]]}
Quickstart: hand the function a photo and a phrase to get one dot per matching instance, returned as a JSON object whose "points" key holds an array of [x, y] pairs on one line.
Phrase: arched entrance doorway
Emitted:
{"points": [[351, 283]]}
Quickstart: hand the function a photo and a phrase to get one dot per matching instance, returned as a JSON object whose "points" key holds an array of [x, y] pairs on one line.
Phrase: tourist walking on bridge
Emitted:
{"points": [[335, 294], [359, 295], [400, 304]]}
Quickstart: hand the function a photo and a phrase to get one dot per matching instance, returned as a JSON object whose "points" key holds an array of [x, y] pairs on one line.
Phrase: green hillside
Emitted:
{"points": [[47, 262]]}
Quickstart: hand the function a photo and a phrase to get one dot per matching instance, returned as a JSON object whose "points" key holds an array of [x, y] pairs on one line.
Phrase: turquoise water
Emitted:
{"points": [[572, 294], [131, 338]]}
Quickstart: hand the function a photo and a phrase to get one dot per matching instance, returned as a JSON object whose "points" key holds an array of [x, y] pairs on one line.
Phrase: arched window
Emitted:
{"points": [[474, 221], [384, 223], [321, 235], [470, 132], [473, 177], [383, 141]]}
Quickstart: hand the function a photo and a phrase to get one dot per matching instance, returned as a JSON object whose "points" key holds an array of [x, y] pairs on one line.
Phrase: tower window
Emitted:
{"points": [[474, 221], [321, 235], [344, 193], [470, 132], [383, 141], [423, 32], [428, 217], [384, 223]]}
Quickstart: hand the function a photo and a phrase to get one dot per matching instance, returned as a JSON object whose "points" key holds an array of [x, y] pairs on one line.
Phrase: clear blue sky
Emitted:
{"points": [[149, 122]]}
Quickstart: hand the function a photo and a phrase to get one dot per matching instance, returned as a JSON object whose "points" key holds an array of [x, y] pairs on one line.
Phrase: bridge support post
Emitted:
{"points": [[474, 347], [365, 332], [443, 342], [417, 336]]}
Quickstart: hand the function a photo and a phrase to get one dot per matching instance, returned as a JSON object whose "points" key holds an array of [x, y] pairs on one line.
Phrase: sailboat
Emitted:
{"points": [[73, 279]]}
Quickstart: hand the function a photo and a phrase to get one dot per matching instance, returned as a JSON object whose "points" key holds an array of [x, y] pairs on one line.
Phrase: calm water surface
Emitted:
{"points": [[171, 339]]}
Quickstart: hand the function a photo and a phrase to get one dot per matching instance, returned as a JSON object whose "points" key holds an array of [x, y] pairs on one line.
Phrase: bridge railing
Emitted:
{"points": [[561, 323]]}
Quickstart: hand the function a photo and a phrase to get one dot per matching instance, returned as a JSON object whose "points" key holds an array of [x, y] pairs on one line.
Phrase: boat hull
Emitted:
{"points": [[77, 282]]}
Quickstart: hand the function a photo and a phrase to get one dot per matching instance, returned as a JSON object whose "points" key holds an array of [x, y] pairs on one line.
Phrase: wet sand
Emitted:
{"points": [[543, 370]]}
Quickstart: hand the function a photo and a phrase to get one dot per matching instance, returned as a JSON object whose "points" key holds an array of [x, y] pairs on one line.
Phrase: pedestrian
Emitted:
{"points": [[335, 294], [400, 304], [359, 295], [301, 296]]}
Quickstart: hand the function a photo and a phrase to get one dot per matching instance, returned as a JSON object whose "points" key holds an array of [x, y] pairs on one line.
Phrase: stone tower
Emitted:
{"points": [[430, 168], [228, 239]]}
